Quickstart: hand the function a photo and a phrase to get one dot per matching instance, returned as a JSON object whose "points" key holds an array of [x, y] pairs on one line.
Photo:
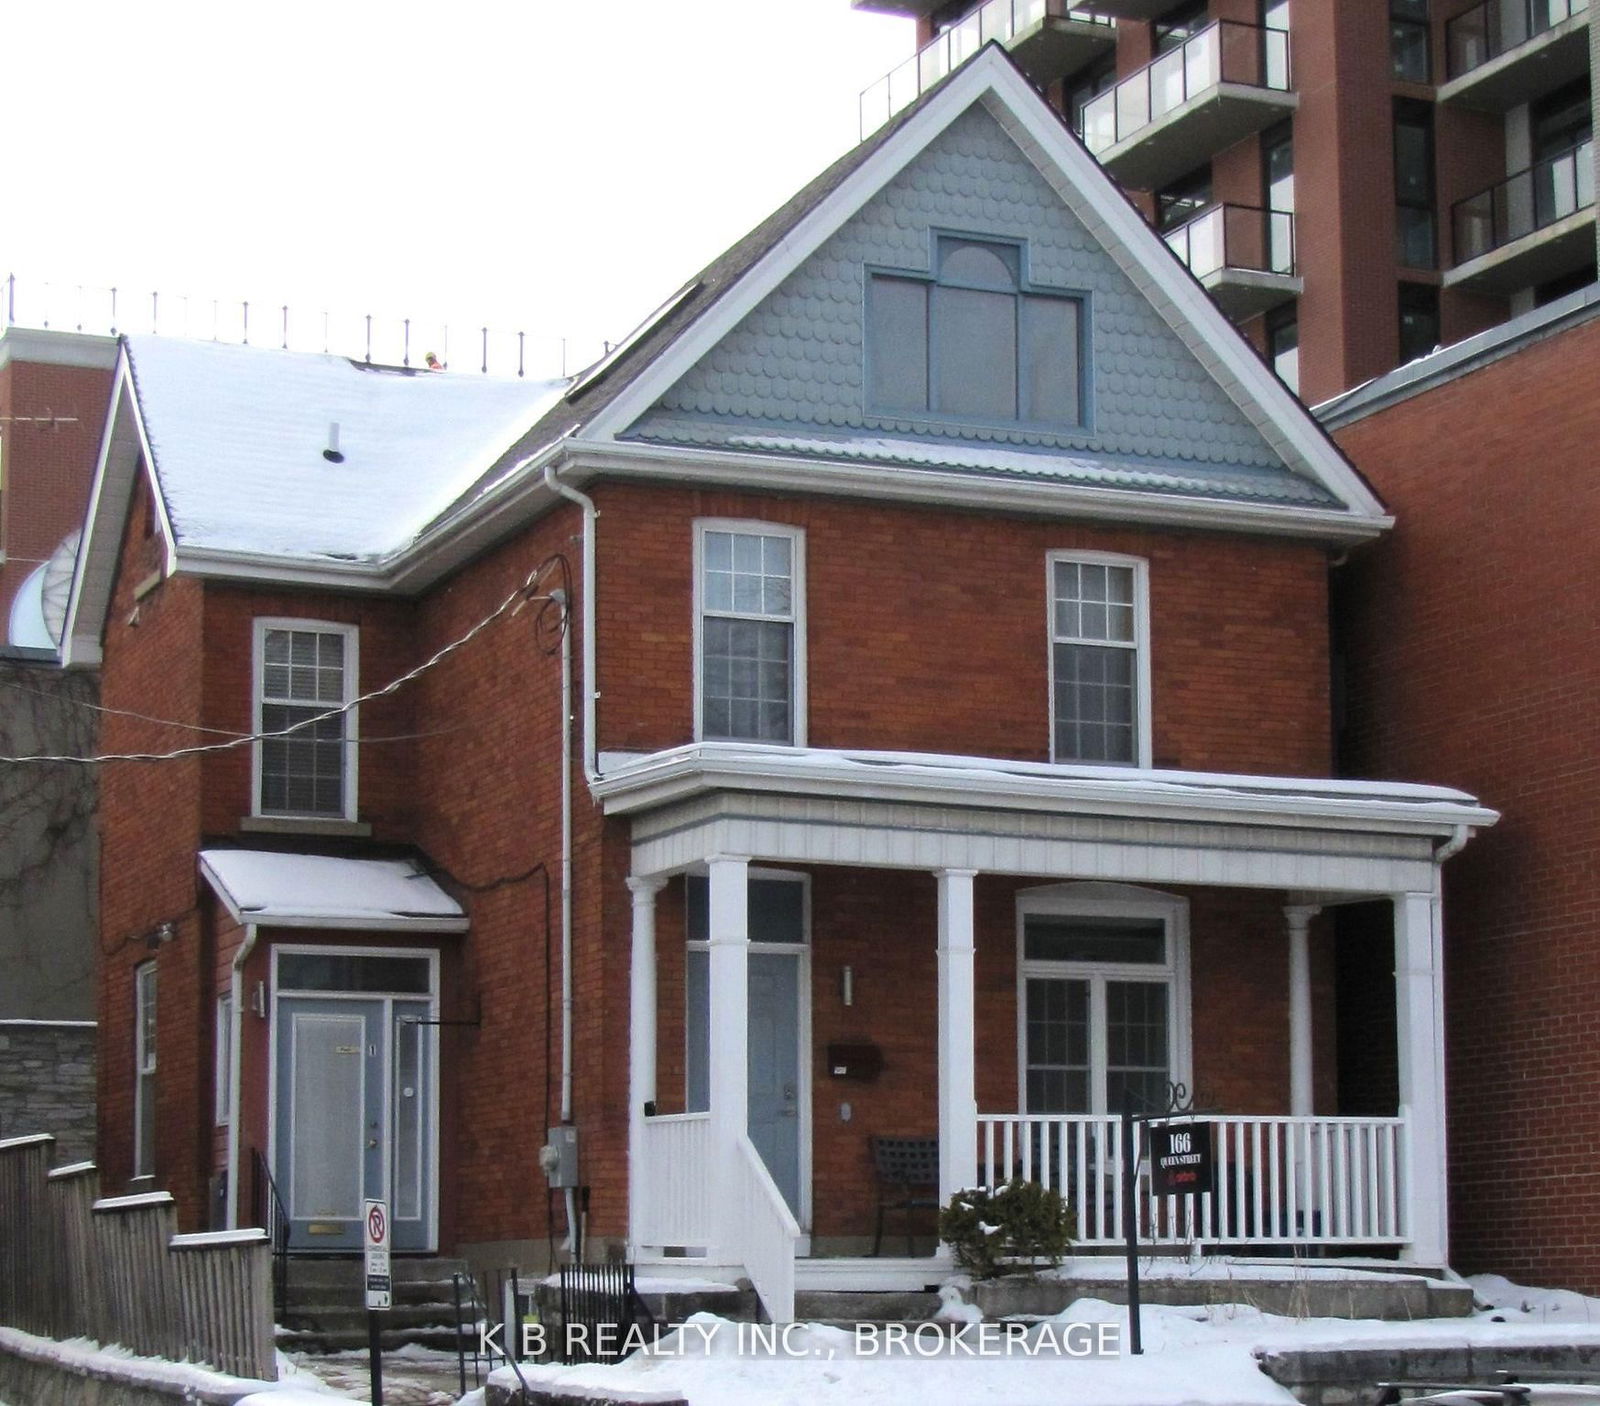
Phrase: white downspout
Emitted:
{"points": [[1453, 845], [591, 773], [236, 996]]}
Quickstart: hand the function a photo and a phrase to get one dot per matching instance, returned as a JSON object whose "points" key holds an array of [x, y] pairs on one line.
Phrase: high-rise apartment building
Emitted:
{"points": [[1354, 182]]}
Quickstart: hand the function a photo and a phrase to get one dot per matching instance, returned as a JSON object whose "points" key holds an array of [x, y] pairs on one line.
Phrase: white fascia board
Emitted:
{"points": [[94, 571], [49, 346], [985, 784], [1128, 239], [262, 567], [925, 485]]}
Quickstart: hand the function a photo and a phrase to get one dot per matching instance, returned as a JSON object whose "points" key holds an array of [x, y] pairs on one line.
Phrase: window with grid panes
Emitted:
{"points": [[305, 759], [749, 666], [1098, 1011], [1095, 661]]}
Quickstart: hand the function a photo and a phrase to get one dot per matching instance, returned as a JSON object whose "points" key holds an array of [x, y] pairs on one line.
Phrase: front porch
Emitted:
{"points": [[1059, 919]]}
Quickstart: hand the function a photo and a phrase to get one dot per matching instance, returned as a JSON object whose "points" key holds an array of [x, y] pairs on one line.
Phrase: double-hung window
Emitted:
{"points": [[750, 632], [305, 761], [975, 341], [1103, 999], [1099, 660], [144, 1070]]}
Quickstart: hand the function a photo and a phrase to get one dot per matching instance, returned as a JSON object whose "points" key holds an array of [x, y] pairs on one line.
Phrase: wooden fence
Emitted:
{"points": [[73, 1265]]}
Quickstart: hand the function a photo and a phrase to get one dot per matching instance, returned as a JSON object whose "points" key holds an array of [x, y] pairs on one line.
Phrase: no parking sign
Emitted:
{"points": [[375, 1233]]}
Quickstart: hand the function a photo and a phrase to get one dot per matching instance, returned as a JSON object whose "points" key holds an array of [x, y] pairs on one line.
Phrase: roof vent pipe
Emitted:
{"points": [[331, 453]]}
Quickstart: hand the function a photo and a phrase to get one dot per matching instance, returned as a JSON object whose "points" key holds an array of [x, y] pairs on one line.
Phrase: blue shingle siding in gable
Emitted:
{"points": [[790, 376]]}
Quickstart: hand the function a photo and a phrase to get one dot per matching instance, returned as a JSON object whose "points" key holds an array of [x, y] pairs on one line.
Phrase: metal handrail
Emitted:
{"points": [[1225, 51], [1523, 203], [1481, 34], [1235, 236], [996, 20], [268, 1208]]}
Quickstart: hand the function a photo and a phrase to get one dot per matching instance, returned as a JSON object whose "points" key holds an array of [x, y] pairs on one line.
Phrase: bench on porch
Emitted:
{"points": [[908, 1180]]}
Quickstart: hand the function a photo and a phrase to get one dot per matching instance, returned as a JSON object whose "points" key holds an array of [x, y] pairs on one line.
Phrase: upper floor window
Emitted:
{"points": [[750, 632], [1409, 40], [975, 341], [1099, 660], [304, 670]]}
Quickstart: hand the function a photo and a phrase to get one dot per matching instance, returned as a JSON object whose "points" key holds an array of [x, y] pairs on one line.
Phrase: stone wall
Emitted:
{"points": [[47, 1084]]}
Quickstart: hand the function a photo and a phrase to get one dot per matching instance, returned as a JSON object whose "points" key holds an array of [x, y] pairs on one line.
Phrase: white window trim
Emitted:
{"points": [[144, 1064], [352, 677], [1101, 900], [223, 1061], [1141, 648], [797, 603]]}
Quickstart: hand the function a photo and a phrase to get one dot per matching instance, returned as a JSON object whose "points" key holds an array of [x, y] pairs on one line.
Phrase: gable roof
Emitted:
{"points": [[437, 486], [1321, 494]]}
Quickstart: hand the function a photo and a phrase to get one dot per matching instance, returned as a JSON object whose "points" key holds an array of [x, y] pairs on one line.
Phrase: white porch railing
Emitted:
{"points": [[1280, 1181], [764, 1233], [677, 1188]]}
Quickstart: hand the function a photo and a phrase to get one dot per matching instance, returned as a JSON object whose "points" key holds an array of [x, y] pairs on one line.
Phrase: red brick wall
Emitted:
{"points": [[1472, 662], [48, 469], [927, 630]]}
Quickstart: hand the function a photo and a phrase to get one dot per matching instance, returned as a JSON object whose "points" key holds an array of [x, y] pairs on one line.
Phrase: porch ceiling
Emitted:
{"points": [[897, 810]]}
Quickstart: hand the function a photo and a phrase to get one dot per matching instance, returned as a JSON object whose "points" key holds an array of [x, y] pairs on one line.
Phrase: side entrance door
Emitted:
{"points": [[355, 1112]]}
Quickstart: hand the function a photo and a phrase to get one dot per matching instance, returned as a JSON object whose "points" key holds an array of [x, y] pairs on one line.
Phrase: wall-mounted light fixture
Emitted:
{"points": [[847, 985]]}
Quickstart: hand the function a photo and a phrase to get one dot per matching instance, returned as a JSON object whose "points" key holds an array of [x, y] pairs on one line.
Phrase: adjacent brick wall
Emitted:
{"points": [[47, 1084], [1473, 642]]}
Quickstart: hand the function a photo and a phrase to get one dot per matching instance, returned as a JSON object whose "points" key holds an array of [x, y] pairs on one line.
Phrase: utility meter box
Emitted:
{"points": [[560, 1157]]}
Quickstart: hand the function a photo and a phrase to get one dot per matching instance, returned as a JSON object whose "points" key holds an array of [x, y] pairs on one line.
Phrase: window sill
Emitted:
{"points": [[303, 825]]}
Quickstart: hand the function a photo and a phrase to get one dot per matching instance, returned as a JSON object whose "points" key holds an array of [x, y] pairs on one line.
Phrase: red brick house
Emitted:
{"points": [[1470, 636], [888, 697]]}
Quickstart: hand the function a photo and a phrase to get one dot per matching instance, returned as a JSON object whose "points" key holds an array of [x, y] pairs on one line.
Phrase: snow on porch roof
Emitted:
{"points": [[319, 891], [237, 436]]}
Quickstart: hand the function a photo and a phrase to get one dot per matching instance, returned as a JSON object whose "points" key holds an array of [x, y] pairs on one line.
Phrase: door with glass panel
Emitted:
{"points": [[355, 1113]]}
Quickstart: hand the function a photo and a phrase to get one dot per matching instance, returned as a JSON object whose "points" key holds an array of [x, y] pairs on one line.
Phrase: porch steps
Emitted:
{"points": [[326, 1309]]}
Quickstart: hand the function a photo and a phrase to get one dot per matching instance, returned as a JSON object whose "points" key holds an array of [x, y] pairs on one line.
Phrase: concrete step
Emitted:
{"points": [[343, 1340], [845, 1307], [326, 1309]]}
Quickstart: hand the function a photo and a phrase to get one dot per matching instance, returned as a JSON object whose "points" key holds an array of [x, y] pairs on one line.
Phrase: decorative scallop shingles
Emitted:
{"points": [[1159, 422]]}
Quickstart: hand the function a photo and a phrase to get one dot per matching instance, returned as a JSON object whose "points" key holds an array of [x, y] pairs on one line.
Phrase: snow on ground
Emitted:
{"points": [[1193, 1356]]}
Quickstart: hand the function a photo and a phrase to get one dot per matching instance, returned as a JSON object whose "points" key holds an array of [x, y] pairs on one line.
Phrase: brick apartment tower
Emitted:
{"points": [[1354, 183]]}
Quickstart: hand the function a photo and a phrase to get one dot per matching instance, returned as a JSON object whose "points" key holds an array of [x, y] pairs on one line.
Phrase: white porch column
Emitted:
{"points": [[1300, 1048], [958, 1097], [641, 1047], [729, 932], [1419, 1022]]}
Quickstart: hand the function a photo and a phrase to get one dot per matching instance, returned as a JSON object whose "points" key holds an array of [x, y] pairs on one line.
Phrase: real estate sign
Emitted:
{"points": [[1182, 1159]]}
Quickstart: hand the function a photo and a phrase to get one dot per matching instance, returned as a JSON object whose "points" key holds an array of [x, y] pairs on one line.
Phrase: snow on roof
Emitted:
{"points": [[316, 890], [237, 436]]}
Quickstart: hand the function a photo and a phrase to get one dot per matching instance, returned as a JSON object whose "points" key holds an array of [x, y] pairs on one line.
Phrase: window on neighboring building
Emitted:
{"points": [[144, 1070], [1275, 42], [975, 341], [1419, 320], [1413, 183], [1183, 199], [750, 648], [1179, 25], [303, 671], [1099, 666], [1105, 1001], [1409, 40], [1277, 180], [1283, 344], [1560, 120], [222, 1063]]}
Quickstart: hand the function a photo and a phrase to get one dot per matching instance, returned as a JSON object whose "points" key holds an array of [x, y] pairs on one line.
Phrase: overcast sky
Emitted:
{"points": [[559, 166]]}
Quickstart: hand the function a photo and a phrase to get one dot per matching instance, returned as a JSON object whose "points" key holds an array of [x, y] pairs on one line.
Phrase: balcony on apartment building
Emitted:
{"points": [[1045, 39], [1224, 84], [1125, 9], [1531, 228], [1503, 53], [1243, 257]]}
